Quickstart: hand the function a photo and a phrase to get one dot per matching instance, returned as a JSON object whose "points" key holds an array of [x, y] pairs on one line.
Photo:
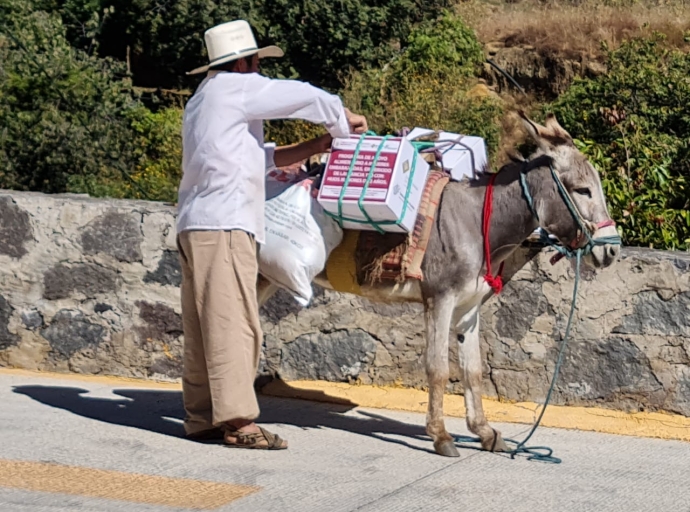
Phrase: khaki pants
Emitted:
{"points": [[222, 332]]}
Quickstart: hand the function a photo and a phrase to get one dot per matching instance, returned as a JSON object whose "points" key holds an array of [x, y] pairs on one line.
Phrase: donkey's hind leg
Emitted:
{"points": [[472, 374], [438, 314]]}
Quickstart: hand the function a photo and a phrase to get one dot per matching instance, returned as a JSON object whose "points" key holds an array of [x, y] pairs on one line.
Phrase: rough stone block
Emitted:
{"points": [[102, 308], [609, 370], [69, 332], [168, 272], [654, 315], [7, 339], [32, 319], [86, 278], [167, 367], [15, 228], [161, 322], [337, 356], [521, 303], [113, 233]]}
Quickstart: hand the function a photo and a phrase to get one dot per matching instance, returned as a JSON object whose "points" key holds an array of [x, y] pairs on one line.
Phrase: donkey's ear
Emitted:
{"points": [[535, 130], [549, 136], [556, 129]]}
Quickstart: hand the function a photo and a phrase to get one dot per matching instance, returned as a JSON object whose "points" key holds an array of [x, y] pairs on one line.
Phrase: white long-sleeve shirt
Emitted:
{"points": [[224, 161]]}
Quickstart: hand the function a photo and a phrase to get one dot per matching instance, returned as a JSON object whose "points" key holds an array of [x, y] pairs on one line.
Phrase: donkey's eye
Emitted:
{"points": [[583, 192]]}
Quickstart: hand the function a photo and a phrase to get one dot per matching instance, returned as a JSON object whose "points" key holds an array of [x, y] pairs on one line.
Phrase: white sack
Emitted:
{"points": [[299, 240], [278, 181]]}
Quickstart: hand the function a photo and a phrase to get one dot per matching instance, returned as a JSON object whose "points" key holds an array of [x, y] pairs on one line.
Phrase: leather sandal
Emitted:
{"points": [[253, 440]]}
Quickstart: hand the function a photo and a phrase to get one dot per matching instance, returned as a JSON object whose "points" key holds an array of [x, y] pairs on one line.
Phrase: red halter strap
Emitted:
{"points": [[496, 282]]}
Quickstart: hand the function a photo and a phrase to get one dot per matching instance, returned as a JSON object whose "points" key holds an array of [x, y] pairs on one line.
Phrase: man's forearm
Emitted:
{"points": [[288, 155]]}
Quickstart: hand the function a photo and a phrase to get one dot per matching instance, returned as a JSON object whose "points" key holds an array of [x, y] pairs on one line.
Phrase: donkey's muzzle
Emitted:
{"points": [[605, 255]]}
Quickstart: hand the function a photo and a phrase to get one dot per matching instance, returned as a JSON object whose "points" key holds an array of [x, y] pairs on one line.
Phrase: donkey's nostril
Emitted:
{"points": [[611, 254]]}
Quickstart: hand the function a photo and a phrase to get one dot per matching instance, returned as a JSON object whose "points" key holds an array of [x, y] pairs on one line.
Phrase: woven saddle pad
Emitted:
{"points": [[369, 257]]}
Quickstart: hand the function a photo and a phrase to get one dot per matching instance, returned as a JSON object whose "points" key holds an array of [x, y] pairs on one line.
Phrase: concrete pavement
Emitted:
{"points": [[100, 445]]}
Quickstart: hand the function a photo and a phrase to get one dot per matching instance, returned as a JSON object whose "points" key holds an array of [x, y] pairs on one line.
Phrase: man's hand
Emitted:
{"points": [[358, 124]]}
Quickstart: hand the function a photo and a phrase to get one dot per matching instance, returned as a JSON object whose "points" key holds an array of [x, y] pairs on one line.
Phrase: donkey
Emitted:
{"points": [[454, 288]]}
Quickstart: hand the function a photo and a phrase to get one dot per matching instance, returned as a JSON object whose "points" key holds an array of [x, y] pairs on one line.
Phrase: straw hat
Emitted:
{"points": [[233, 40]]}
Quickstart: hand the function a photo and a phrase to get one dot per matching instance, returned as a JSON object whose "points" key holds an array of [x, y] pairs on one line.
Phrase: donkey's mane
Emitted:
{"points": [[511, 169]]}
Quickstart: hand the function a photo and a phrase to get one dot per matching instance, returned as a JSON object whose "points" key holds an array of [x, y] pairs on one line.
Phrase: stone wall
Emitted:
{"points": [[91, 286]]}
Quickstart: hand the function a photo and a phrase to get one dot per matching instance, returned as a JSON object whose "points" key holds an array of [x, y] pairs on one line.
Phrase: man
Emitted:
{"points": [[221, 220]]}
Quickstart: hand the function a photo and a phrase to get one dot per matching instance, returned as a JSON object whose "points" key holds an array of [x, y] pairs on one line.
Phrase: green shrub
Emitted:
{"points": [[288, 132], [158, 150], [156, 166], [430, 84], [325, 40], [445, 46], [71, 121], [634, 125], [62, 112]]}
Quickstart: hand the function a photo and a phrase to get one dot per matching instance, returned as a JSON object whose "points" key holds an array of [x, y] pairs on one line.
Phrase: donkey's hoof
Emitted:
{"points": [[446, 448], [495, 443]]}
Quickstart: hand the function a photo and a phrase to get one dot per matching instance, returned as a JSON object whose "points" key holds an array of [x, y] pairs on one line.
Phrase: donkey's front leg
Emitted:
{"points": [[472, 373], [438, 314]]}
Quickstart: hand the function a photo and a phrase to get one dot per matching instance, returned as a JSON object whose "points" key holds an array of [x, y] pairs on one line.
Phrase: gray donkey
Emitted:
{"points": [[454, 288]]}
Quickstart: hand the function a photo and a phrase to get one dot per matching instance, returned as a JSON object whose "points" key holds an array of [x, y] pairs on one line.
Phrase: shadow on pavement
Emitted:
{"points": [[161, 411], [143, 409]]}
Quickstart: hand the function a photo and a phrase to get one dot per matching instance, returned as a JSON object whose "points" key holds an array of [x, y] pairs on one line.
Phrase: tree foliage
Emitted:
{"points": [[61, 110], [326, 40], [322, 40], [71, 121]]}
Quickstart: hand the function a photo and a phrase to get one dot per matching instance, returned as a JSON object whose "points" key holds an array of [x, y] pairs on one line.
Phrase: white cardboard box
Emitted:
{"points": [[463, 155], [385, 195]]}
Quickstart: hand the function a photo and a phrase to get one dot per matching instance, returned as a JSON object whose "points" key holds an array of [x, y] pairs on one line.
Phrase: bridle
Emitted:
{"points": [[585, 241]]}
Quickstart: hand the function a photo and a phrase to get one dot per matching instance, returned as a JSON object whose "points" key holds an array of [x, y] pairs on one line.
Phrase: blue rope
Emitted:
{"points": [[534, 451], [544, 453], [346, 182], [370, 176], [526, 194]]}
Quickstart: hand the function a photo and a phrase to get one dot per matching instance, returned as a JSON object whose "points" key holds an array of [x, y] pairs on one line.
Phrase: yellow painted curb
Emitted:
{"points": [[594, 419], [641, 424], [103, 379]]}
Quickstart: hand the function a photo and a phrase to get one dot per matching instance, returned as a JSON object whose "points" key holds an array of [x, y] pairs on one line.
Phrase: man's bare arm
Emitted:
{"points": [[288, 155]]}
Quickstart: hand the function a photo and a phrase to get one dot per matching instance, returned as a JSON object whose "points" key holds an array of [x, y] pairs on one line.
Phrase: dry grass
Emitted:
{"points": [[568, 30]]}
